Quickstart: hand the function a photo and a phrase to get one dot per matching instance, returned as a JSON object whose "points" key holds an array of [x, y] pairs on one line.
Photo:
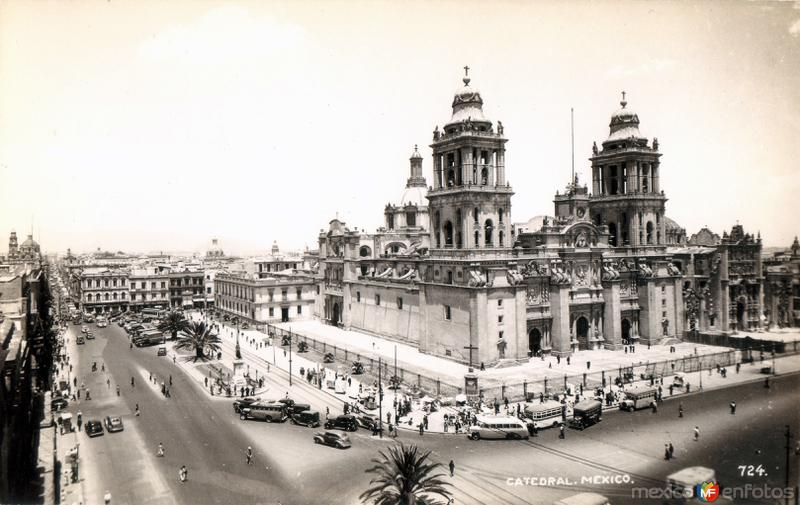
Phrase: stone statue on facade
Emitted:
{"points": [[594, 147], [436, 133], [500, 127], [655, 143], [501, 348], [609, 272]]}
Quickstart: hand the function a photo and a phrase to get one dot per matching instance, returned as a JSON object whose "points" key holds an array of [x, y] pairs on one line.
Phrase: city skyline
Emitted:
{"points": [[187, 123]]}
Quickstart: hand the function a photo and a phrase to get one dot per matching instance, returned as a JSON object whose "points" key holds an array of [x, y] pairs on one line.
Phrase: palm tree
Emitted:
{"points": [[404, 476], [198, 338], [173, 323]]}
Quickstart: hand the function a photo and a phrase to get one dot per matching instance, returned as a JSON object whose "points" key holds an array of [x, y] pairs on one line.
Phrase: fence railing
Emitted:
{"points": [[342, 355]]}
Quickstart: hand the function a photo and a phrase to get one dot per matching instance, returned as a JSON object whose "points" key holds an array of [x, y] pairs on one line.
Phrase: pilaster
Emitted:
{"points": [[612, 320], [559, 308]]}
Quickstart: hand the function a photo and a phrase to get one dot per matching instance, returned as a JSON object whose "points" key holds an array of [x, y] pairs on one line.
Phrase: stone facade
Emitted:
{"points": [[264, 300]]}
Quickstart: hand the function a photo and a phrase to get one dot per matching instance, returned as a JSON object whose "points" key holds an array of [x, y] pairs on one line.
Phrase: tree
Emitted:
{"points": [[404, 476], [198, 338], [174, 323]]}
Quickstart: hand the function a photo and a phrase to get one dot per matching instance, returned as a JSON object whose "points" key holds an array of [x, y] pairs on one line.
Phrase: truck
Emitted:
{"points": [[586, 413]]}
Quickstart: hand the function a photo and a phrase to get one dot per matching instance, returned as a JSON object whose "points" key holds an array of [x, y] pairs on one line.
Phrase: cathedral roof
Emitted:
{"points": [[29, 242], [467, 104], [415, 195]]}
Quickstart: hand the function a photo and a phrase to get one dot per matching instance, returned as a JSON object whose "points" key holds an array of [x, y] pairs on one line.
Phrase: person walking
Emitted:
{"points": [[680, 410], [666, 452], [421, 429], [654, 407], [671, 450], [249, 455], [160, 452], [170, 379], [137, 410], [561, 433], [117, 389], [183, 473], [733, 408], [696, 433], [80, 420], [452, 466], [108, 383], [132, 382]]}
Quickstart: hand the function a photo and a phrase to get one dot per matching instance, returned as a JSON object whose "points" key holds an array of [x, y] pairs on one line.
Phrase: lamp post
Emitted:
{"points": [[290, 356]]}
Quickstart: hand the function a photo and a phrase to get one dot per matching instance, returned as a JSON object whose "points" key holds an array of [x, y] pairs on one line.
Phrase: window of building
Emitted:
{"points": [[144, 285], [664, 314], [89, 297], [358, 296], [284, 293], [208, 291], [163, 285], [271, 312], [663, 288], [123, 296], [500, 302], [299, 309], [499, 319], [105, 282], [400, 303], [663, 303], [449, 276], [377, 299], [114, 282], [447, 313], [152, 285], [299, 293]]}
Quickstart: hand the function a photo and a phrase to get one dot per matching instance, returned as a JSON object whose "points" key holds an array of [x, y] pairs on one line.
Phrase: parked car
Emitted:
{"points": [[357, 368], [366, 421], [113, 424], [292, 406], [338, 440], [162, 351], [345, 422], [80, 340], [90, 335], [58, 403], [94, 428], [240, 403], [308, 418], [328, 358], [84, 329]]}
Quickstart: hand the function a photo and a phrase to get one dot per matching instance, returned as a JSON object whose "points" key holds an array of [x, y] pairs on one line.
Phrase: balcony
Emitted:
{"points": [[471, 188]]}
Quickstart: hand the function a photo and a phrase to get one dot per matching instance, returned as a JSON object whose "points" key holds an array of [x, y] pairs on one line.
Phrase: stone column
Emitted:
{"points": [[501, 167], [612, 321], [520, 319], [680, 310], [559, 308], [649, 319], [466, 166]]}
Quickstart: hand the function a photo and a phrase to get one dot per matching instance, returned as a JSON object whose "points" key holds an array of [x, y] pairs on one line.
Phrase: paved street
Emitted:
{"points": [[205, 434]]}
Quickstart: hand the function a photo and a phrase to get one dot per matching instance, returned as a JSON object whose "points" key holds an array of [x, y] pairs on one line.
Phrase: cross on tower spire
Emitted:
{"points": [[623, 102], [466, 78]]}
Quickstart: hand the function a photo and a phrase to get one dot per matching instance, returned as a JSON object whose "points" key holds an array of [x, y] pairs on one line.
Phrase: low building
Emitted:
{"points": [[256, 300], [186, 287], [104, 289], [149, 288]]}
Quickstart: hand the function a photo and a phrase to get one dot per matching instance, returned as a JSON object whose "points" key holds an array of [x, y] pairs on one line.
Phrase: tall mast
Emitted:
{"points": [[572, 136]]}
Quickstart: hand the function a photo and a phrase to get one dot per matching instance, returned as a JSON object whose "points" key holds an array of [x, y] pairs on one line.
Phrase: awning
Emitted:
{"points": [[187, 302]]}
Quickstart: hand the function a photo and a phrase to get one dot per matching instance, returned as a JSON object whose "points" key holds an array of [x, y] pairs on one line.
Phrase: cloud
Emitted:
{"points": [[223, 34], [649, 67], [795, 28]]}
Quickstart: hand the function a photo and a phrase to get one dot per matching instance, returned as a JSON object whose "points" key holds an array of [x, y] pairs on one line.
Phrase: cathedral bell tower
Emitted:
{"points": [[470, 201], [626, 190]]}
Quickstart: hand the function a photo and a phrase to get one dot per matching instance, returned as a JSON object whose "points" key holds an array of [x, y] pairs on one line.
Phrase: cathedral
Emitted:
{"points": [[450, 274]]}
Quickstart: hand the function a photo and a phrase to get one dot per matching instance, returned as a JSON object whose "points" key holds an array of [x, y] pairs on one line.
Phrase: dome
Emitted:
{"points": [[415, 195], [624, 123], [30, 243], [467, 104], [416, 155]]}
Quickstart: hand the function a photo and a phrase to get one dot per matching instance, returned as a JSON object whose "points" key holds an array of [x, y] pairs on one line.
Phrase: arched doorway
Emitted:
{"points": [[534, 341], [582, 331], [335, 314], [626, 331], [741, 310]]}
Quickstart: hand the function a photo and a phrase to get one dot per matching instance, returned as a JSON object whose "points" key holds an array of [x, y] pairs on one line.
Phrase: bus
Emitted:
{"points": [[155, 313], [638, 397], [682, 484], [499, 427], [545, 415]]}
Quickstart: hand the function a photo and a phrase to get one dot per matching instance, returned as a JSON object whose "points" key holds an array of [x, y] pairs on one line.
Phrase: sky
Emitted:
{"points": [[147, 126]]}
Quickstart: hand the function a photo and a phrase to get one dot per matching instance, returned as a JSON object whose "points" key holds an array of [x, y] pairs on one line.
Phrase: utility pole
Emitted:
{"points": [[380, 400], [395, 384], [788, 436], [290, 356]]}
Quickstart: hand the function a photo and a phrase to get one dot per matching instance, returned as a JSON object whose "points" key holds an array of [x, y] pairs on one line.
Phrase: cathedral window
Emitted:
{"points": [[447, 313], [358, 296], [411, 218], [500, 216], [649, 230], [484, 176], [448, 234], [400, 303], [477, 238], [500, 238], [612, 234], [449, 276], [390, 221], [377, 299]]}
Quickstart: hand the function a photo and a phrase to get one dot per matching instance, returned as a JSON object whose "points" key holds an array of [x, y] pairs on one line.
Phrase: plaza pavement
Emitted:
{"points": [[609, 360]]}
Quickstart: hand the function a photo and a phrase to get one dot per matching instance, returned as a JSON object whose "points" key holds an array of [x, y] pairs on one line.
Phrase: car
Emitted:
{"points": [[294, 407], [84, 329], [94, 428], [328, 358], [240, 403], [245, 326], [338, 440], [308, 418], [114, 423], [346, 422], [366, 421], [80, 340], [357, 368], [90, 335], [162, 351], [58, 403]]}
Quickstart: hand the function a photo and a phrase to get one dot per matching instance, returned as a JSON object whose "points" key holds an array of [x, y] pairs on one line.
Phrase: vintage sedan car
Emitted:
{"points": [[240, 403], [90, 335], [114, 423], [338, 440], [366, 421], [84, 329], [58, 403], [345, 422], [94, 428]]}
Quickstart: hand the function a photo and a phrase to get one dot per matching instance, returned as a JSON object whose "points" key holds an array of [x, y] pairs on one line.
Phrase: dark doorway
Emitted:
{"points": [[612, 234], [534, 341], [626, 331], [582, 329], [284, 314], [740, 312], [335, 314]]}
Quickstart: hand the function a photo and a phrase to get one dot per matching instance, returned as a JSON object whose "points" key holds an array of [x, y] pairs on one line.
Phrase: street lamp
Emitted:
{"points": [[290, 356]]}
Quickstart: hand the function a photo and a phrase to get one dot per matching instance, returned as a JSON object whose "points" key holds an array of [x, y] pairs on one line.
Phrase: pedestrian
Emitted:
{"points": [[88, 394], [561, 432], [425, 421], [558, 360], [107, 497], [173, 359], [766, 383], [117, 389], [680, 410], [654, 407], [108, 383], [103, 367], [327, 412], [75, 381], [151, 376], [733, 408], [421, 429], [738, 365], [666, 451], [567, 360], [183, 473], [170, 379], [80, 420], [205, 380], [626, 349], [696, 433], [452, 466], [137, 410], [671, 451], [483, 367], [249, 455]]}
